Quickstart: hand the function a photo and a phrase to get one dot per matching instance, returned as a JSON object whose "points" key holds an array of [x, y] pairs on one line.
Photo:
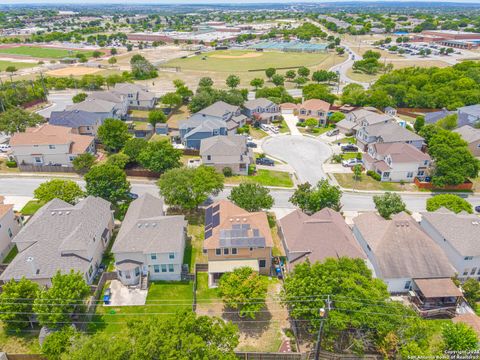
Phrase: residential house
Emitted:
{"points": [[435, 116], [400, 251], [50, 145], [468, 115], [62, 237], [313, 108], [322, 235], [121, 101], [102, 108], [390, 111], [230, 114], [161, 129], [387, 133], [235, 238], [149, 243], [261, 110], [199, 127], [396, 161], [139, 97], [227, 152], [458, 235], [82, 122], [355, 119], [10, 225], [472, 136]]}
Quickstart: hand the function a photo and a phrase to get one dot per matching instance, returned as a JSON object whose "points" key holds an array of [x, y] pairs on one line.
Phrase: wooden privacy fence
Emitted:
{"points": [[271, 356], [45, 168]]}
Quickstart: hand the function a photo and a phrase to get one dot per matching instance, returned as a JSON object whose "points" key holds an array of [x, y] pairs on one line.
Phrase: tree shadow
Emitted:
{"points": [[253, 327]]}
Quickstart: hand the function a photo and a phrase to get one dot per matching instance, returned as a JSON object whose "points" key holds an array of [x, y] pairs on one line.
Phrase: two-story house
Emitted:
{"points": [[400, 251], [227, 152], [121, 101], [82, 122], [313, 108], [49, 144], [261, 110], [236, 238], [387, 133], [199, 127], [62, 237], [230, 114], [355, 119], [458, 235], [102, 108], [10, 225], [396, 161], [138, 96], [149, 243]]}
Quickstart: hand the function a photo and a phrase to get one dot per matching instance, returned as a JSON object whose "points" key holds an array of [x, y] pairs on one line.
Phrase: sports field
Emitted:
{"points": [[18, 65], [246, 60], [41, 52]]}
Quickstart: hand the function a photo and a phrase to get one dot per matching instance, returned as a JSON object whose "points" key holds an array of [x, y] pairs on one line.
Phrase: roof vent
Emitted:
{"points": [[154, 224], [237, 219], [53, 212], [146, 225], [59, 213], [67, 213], [475, 222], [244, 219], [139, 225]]}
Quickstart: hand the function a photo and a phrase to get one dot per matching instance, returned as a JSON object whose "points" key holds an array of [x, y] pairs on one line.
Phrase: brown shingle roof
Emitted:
{"points": [[432, 288], [314, 105], [4, 209], [401, 152], [323, 235]]}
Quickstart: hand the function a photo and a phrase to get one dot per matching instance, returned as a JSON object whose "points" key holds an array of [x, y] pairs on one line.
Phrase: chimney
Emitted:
{"points": [[31, 261]]}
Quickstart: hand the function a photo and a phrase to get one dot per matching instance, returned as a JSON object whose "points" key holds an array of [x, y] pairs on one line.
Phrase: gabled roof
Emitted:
{"points": [[401, 248], [229, 145], [226, 217], [391, 132], [433, 117], [129, 88], [322, 235], [106, 96], [400, 152], [146, 229], [209, 122], [468, 133], [96, 105], [75, 118], [473, 110], [461, 230], [314, 105], [219, 109], [255, 103], [58, 237]]}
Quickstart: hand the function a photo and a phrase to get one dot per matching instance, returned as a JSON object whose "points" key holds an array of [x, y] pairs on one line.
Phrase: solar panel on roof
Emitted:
{"points": [[208, 216], [216, 220], [216, 208], [208, 233]]}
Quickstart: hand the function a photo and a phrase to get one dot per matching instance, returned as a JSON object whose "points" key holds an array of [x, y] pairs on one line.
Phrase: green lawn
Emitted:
{"points": [[257, 133], [18, 65], [164, 299], [141, 125], [19, 343], [32, 207], [265, 178], [204, 293], [347, 140], [349, 155], [139, 113], [11, 255], [246, 60], [43, 52], [367, 183]]}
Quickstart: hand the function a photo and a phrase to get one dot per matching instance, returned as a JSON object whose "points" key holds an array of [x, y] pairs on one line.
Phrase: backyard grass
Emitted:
{"points": [[32, 207], [19, 65], [43, 52], [246, 60], [141, 125], [435, 334], [257, 133], [19, 343], [182, 113], [205, 294], [194, 246], [139, 113], [278, 249], [158, 137], [11, 255], [265, 178], [164, 299], [367, 183]]}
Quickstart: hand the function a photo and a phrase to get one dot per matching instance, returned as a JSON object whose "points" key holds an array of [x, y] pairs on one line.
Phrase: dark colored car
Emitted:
{"points": [[132, 196], [477, 209], [265, 161], [349, 147], [251, 144]]}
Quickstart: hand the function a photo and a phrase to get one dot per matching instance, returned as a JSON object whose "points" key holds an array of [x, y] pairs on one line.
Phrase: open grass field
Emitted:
{"points": [[42, 52], [74, 71], [19, 65], [265, 178], [367, 183], [242, 60]]}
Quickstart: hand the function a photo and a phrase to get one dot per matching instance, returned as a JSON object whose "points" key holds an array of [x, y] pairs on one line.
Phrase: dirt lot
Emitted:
{"points": [[74, 71], [156, 56]]}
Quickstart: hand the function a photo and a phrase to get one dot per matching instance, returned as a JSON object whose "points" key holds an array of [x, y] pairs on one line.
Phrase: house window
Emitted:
{"points": [[153, 256], [137, 271], [468, 258], [90, 270], [171, 255], [10, 235], [234, 251], [209, 157], [407, 284], [251, 249], [215, 132], [38, 159], [218, 252], [474, 270], [465, 272], [71, 158], [156, 268], [303, 112], [170, 268], [368, 247], [386, 174], [425, 162], [164, 268], [410, 174], [225, 251], [120, 272], [51, 146], [421, 173], [478, 273], [262, 263]]}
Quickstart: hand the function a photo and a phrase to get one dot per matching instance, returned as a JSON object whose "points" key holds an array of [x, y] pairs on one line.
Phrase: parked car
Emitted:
{"points": [[333, 132], [4, 147], [264, 127], [251, 144], [264, 161], [132, 196], [349, 147], [477, 209], [352, 162]]}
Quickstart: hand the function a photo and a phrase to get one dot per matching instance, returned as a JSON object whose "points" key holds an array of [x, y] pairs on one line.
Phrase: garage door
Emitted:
{"points": [[287, 111]]}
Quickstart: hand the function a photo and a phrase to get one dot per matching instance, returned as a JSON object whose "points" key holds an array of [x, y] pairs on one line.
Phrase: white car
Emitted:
{"points": [[4, 147], [352, 162], [264, 127]]}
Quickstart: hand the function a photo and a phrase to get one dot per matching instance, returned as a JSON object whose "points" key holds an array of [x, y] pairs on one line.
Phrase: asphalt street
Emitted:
{"points": [[59, 102]]}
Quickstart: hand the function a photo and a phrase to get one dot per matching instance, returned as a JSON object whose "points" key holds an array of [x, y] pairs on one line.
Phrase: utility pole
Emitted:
{"points": [[324, 315]]}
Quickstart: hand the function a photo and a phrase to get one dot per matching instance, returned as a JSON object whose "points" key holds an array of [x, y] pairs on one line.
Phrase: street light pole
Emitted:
{"points": [[324, 316]]}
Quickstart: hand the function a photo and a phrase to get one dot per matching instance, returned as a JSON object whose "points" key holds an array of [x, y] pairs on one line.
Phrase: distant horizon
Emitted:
{"points": [[215, 2]]}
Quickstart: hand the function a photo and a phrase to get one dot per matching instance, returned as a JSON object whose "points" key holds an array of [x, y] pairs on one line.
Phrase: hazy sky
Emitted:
{"points": [[200, 1]]}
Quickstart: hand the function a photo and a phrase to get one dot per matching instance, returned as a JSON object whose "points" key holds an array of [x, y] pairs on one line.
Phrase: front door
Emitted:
{"points": [[145, 270]]}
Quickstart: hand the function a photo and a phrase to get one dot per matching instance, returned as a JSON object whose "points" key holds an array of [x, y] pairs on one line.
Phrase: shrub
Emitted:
{"points": [[374, 175], [337, 158], [227, 171], [301, 124], [11, 164], [251, 169]]}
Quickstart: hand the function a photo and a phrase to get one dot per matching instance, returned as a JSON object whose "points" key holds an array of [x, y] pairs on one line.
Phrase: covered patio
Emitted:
{"points": [[217, 268]]}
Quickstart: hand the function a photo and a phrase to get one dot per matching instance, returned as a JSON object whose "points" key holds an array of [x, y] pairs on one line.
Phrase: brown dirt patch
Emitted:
{"points": [[73, 71], [244, 56]]}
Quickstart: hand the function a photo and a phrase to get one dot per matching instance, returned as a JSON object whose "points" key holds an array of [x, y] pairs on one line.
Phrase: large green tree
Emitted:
{"points": [[389, 204], [113, 133], [17, 120], [243, 290], [66, 190], [59, 342], [16, 303], [251, 197], [314, 198], [187, 188], [108, 182], [55, 305], [159, 156], [156, 116], [133, 147], [450, 201], [361, 318], [83, 162]]}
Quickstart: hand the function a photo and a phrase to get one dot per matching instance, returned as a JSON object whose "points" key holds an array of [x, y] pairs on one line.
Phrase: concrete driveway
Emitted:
{"points": [[59, 102], [304, 154], [291, 121]]}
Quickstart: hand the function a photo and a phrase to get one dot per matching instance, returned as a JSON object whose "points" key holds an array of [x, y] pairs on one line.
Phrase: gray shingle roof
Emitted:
{"points": [[76, 118], [473, 110], [58, 237], [96, 105], [392, 133], [462, 230], [146, 229], [433, 117], [219, 109], [401, 248], [255, 103], [208, 122], [468, 133], [106, 95], [224, 145]]}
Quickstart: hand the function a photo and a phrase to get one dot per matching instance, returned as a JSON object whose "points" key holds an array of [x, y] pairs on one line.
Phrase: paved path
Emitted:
{"points": [[291, 121], [306, 155]]}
